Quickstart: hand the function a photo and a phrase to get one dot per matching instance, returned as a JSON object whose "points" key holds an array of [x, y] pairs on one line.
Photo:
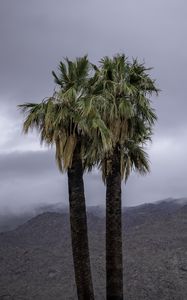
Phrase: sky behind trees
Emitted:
{"points": [[35, 36]]}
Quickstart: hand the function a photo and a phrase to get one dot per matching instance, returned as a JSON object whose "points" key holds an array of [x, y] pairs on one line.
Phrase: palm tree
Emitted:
{"points": [[129, 116], [68, 120]]}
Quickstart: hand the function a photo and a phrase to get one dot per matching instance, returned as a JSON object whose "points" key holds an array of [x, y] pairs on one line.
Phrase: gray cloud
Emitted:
{"points": [[33, 163], [36, 35], [29, 179]]}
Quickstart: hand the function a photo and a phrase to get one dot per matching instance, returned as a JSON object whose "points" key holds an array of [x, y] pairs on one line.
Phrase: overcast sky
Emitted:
{"points": [[35, 35]]}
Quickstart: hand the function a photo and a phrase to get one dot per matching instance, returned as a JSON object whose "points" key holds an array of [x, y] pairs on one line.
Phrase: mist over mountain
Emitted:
{"points": [[36, 259], [11, 220]]}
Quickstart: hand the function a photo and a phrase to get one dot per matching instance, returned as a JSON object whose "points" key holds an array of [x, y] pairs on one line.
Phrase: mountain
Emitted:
{"points": [[10, 221], [36, 259]]}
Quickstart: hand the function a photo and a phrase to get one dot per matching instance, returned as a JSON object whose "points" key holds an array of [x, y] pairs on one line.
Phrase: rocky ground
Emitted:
{"points": [[36, 260]]}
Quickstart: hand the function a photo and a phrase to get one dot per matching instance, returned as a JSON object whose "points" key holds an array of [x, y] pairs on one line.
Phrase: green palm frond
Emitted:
{"points": [[102, 106], [71, 114], [124, 89], [134, 157]]}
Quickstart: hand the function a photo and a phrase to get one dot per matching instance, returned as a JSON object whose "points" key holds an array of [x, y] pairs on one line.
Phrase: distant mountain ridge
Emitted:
{"points": [[36, 259], [10, 221]]}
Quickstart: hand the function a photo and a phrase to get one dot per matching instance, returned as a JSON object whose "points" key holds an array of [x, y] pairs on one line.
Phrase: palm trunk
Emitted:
{"points": [[79, 235], [114, 262]]}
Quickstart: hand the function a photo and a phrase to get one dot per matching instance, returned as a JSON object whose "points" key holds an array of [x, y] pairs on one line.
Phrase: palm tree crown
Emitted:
{"points": [[123, 89], [69, 115]]}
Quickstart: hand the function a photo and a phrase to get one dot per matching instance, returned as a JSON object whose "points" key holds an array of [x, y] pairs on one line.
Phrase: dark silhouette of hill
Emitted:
{"points": [[36, 260]]}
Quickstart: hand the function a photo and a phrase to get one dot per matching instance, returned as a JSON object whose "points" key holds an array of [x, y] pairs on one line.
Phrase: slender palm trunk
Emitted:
{"points": [[79, 234], [114, 262]]}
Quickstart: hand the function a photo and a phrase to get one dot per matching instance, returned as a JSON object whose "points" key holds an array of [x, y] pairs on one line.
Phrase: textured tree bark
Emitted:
{"points": [[79, 234], [114, 262]]}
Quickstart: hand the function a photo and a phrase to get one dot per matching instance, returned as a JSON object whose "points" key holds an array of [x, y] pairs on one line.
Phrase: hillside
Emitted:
{"points": [[36, 260]]}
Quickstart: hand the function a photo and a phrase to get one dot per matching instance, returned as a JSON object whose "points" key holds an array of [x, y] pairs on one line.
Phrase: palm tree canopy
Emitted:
{"points": [[124, 89], [101, 107], [70, 115]]}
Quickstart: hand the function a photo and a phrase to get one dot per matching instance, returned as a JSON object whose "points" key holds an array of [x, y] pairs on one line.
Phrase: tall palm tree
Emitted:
{"points": [[128, 114], [68, 120]]}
